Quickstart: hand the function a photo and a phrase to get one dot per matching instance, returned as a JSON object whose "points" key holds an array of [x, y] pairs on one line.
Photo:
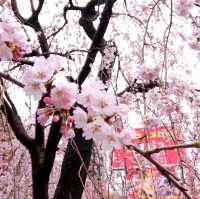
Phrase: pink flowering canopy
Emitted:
{"points": [[81, 80]]}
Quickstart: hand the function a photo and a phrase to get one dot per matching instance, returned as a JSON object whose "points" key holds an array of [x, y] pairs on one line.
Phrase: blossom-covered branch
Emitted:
{"points": [[33, 22]]}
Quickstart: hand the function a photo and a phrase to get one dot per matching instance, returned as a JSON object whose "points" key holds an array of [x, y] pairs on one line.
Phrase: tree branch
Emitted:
{"points": [[139, 87], [11, 79], [39, 134], [23, 61], [97, 41], [70, 185], [51, 147], [39, 8], [17, 125], [33, 22], [172, 147]]}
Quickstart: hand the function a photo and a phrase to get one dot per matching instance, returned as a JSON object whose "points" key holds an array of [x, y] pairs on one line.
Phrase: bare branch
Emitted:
{"points": [[57, 31], [32, 6], [172, 147], [97, 41], [139, 87], [197, 4], [39, 8], [11, 79], [17, 13], [23, 61]]}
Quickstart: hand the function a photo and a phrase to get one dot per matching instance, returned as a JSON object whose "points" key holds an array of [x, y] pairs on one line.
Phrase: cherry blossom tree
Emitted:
{"points": [[88, 66]]}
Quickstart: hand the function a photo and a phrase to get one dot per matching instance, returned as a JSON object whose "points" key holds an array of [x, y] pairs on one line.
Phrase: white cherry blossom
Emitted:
{"points": [[126, 136], [35, 89], [95, 130], [104, 105], [42, 71], [110, 141], [80, 117]]}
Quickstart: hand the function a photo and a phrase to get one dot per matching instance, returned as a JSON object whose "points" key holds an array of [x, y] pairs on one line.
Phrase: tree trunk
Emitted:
{"points": [[73, 172], [39, 177], [40, 188]]}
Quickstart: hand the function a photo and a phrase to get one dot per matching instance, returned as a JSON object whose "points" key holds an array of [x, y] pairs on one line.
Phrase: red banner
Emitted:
{"points": [[128, 160], [154, 138]]}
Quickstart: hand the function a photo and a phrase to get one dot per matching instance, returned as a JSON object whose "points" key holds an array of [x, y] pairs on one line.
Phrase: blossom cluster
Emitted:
{"points": [[2, 2], [12, 43], [98, 118], [182, 7], [95, 111], [148, 72]]}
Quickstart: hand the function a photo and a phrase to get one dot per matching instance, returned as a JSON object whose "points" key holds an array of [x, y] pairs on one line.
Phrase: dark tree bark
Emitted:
{"points": [[74, 168], [40, 183], [42, 161]]}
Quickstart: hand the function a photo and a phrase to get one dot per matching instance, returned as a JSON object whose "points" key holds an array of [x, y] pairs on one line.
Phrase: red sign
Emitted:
{"points": [[128, 160], [152, 138]]}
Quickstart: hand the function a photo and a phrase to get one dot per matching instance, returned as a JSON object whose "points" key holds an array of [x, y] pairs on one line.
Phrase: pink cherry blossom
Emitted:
{"points": [[67, 132], [126, 136], [149, 31], [151, 122], [103, 105], [90, 93], [110, 141], [64, 94], [148, 72], [70, 120], [48, 101], [18, 47], [44, 114], [66, 128], [32, 87], [5, 52], [56, 62], [2, 2], [7, 30], [87, 96], [13, 39], [182, 7]]}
